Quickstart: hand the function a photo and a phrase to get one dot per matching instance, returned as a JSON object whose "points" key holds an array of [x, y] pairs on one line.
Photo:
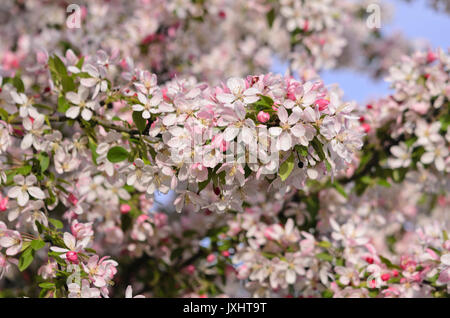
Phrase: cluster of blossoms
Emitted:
{"points": [[416, 112], [360, 246], [200, 38], [322, 199]]}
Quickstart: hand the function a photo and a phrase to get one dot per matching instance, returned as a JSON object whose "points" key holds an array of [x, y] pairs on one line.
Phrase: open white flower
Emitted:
{"points": [[149, 104], [96, 79], [81, 104], [24, 188], [35, 129], [289, 127], [238, 92], [437, 154], [402, 156], [26, 107]]}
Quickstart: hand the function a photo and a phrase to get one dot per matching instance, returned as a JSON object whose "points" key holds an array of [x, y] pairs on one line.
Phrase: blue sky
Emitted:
{"points": [[417, 21]]}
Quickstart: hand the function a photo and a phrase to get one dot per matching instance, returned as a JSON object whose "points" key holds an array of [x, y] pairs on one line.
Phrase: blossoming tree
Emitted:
{"points": [[280, 186]]}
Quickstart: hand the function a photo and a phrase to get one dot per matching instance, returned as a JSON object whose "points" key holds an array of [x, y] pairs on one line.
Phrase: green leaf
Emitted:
{"points": [[388, 263], [93, 148], [37, 244], [327, 294], [44, 161], [56, 223], [63, 104], [25, 170], [383, 183], [57, 65], [26, 259], [67, 83], [39, 227], [340, 189], [90, 250], [286, 167], [80, 63], [117, 154], [324, 244], [140, 122], [317, 145], [47, 285], [270, 17], [324, 257], [301, 150], [4, 114], [18, 84]]}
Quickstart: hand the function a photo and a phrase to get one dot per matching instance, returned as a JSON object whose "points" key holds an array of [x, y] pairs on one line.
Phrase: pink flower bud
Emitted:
{"points": [[366, 127], [124, 208], [3, 204], [190, 269], [322, 103], [210, 258], [73, 199], [142, 218], [263, 116], [431, 57], [385, 277], [72, 257]]}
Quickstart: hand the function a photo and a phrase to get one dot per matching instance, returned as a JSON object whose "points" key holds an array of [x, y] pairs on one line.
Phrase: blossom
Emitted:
{"points": [[402, 155], [12, 241], [96, 79], [263, 116], [289, 128], [237, 91], [83, 291], [26, 107], [35, 129], [129, 293], [24, 188], [73, 247], [148, 105], [79, 99], [435, 153]]}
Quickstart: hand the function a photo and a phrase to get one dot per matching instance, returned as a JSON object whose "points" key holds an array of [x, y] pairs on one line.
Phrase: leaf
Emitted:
{"points": [[44, 161], [37, 244], [270, 17], [327, 294], [67, 83], [25, 170], [317, 145], [90, 250], [39, 227], [63, 104], [140, 122], [286, 167], [388, 263], [324, 244], [57, 65], [56, 223], [117, 154], [383, 183], [47, 285], [340, 189], [26, 259], [301, 150], [203, 184], [324, 257], [93, 148], [18, 84]]}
